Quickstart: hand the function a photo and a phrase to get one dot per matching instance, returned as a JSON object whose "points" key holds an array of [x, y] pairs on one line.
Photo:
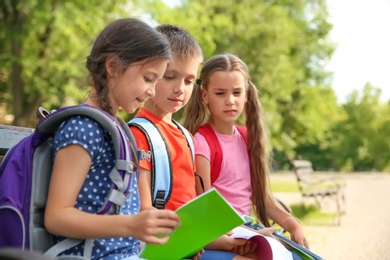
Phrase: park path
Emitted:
{"points": [[364, 232]]}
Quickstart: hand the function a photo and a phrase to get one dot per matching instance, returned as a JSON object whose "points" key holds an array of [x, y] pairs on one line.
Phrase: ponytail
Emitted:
{"points": [[196, 113], [258, 154]]}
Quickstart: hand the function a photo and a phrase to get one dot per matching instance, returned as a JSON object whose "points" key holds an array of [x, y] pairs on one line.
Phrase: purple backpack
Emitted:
{"points": [[25, 175]]}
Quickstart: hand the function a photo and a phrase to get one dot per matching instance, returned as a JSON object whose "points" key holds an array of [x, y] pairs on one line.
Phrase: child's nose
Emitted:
{"points": [[230, 100], [151, 91], [179, 88]]}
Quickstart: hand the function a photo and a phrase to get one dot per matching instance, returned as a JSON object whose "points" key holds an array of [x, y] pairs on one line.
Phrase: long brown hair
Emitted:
{"points": [[197, 113]]}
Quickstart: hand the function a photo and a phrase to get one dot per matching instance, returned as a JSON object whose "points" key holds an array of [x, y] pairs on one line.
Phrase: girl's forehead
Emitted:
{"points": [[227, 78]]}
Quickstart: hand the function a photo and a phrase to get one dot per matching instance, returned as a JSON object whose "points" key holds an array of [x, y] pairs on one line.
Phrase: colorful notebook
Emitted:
{"points": [[203, 219]]}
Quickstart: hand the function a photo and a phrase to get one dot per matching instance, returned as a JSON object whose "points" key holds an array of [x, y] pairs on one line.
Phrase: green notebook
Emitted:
{"points": [[203, 219]]}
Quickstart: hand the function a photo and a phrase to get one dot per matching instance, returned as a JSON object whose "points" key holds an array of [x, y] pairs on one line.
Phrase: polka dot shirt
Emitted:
{"points": [[97, 142]]}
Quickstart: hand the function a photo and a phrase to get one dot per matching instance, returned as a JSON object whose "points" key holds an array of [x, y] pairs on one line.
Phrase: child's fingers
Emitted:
{"points": [[155, 239], [168, 214]]}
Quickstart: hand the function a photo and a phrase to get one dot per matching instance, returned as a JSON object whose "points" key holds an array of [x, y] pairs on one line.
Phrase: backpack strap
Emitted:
{"points": [[215, 148], [125, 163], [190, 140], [161, 161], [160, 158]]}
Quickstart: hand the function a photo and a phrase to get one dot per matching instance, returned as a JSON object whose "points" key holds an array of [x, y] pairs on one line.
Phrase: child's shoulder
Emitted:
{"points": [[83, 124], [83, 131]]}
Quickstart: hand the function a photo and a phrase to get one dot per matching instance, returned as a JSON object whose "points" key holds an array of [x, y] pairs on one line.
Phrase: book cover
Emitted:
{"points": [[203, 219], [305, 253], [268, 248]]}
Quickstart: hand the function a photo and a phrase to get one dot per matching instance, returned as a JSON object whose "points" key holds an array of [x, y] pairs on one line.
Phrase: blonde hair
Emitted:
{"points": [[181, 43], [197, 113]]}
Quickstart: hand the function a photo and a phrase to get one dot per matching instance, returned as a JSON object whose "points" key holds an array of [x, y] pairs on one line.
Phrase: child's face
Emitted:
{"points": [[137, 84], [225, 96], [175, 88]]}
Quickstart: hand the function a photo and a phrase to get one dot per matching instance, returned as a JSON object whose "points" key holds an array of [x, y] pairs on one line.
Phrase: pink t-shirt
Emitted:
{"points": [[234, 181]]}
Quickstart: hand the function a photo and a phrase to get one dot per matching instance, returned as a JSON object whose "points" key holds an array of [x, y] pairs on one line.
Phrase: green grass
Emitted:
{"points": [[284, 186], [308, 214]]}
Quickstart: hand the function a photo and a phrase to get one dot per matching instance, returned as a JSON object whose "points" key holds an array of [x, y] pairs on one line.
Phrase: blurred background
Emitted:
{"points": [[289, 45]]}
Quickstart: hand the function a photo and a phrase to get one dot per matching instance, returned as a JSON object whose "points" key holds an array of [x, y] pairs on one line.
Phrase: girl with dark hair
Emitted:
{"points": [[127, 59]]}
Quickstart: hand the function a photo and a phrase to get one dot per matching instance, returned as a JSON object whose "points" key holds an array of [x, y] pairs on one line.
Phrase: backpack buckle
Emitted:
{"points": [[142, 155], [159, 203]]}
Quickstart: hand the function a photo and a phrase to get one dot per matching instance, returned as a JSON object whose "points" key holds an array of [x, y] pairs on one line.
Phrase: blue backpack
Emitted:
{"points": [[25, 175], [161, 161]]}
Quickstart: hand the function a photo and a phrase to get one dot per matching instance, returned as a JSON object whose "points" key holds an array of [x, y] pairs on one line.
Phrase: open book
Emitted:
{"points": [[268, 248], [305, 253], [203, 219]]}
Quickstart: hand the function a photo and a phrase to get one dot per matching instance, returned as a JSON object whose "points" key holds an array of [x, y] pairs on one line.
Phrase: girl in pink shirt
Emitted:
{"points": [[222, 93]]}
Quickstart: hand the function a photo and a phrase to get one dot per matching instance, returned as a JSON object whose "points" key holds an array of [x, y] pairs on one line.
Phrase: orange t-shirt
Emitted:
{"points": [[183, 184]]}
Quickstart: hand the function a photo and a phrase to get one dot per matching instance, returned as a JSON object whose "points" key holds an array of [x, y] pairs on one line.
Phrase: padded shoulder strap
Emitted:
{"points": [[188, 136], [161, 161], [125, 162], [124, 165], [215, 150]]}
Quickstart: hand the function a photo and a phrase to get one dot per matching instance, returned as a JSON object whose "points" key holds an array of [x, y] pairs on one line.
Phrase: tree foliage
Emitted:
{"points": [[284, 43], [43, 47], [363, 141], [44, 43]]}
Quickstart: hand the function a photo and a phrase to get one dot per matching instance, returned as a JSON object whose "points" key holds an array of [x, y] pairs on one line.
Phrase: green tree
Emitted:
{"points": [[43, 48], [361, 139], [285, 46]]}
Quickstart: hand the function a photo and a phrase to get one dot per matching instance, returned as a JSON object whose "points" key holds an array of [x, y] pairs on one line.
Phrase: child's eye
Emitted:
{"points": [[189, 82], [147, 80], [168, 77], [219, 93], [237, 93]]}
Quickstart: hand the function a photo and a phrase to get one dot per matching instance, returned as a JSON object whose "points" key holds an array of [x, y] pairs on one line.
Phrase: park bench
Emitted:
{"points": [[319, 188], [11, 135]]}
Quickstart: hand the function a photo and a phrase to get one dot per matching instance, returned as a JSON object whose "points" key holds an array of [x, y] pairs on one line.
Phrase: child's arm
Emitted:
{"points": [[203, 170], [70, 169], [287, 222], [145, 188]]}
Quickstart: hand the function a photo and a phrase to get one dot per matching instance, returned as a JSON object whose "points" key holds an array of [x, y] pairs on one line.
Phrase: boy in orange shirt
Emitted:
{"points": [[172, 94]]}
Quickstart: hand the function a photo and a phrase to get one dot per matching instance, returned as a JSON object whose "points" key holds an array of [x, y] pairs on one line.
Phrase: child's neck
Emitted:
{"points": [[222, 127], [158, 112]]}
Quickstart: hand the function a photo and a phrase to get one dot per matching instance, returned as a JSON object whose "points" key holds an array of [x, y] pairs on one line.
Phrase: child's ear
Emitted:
{"points": [[111, 65], [203, 94]]}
